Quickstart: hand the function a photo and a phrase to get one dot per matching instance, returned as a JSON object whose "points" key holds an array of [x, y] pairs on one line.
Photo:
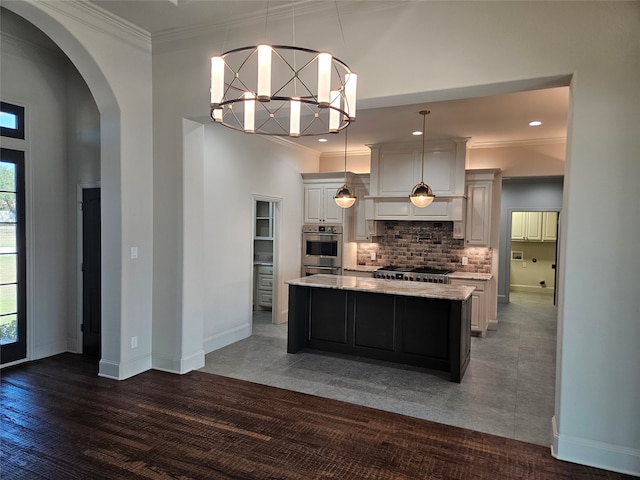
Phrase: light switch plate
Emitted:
{"points": [[134, 252]]}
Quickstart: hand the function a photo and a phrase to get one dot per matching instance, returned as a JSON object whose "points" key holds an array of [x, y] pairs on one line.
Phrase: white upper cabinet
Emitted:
{"points": [[549, 226], [483, 207], [319, 205], [534, 226], [396, 169]]}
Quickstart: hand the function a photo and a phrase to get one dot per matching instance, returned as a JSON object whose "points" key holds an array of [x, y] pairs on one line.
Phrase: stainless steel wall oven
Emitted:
{"points": [[322, 249]]}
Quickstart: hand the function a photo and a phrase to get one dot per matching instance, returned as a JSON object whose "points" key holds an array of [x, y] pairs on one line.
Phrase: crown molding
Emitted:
{"points": [[350, 153], [290, 144], [519, 143], [100, 20], [278, 12]]}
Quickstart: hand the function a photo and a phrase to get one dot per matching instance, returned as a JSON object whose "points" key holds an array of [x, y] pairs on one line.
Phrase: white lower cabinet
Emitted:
{"points": [[479, 304], [263, 286]]}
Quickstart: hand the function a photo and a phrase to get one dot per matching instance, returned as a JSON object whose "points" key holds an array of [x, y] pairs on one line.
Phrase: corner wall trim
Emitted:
{"points": [[583, 451], [124, 370]]}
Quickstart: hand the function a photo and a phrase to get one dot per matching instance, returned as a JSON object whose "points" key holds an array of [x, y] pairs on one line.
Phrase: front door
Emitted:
{"points": [[91, 285]]}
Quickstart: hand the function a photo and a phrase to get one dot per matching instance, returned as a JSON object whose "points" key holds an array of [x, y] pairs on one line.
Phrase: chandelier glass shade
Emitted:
{"points": [[421, 195], [282, 91]]}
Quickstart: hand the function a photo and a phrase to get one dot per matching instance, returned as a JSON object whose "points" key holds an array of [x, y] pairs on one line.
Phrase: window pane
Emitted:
{"points": [[7, 176], [8, 329], [7, 207], [8, 120], [8, 268], [8, 239], [8, 299]]}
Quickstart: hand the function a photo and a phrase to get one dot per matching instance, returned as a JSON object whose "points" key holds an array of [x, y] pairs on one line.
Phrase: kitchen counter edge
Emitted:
{"points": [[389, 287]]}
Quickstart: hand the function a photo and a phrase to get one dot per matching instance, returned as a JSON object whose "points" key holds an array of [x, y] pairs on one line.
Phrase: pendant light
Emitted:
{"points": [[422, 195], [344, 197]]}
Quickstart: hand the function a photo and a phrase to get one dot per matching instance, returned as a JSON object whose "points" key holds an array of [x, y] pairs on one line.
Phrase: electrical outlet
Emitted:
{"points": [[373, 255], [134, 342], [465, 260], [524, 264]]}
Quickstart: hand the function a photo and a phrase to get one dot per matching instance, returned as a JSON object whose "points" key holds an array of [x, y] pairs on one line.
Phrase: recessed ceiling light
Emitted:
{"points": [[535, 123], [416, 133], [322, 140]]}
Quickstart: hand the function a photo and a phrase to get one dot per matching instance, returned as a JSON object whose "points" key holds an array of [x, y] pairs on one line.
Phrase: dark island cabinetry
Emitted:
{"points": [[427, 332]]}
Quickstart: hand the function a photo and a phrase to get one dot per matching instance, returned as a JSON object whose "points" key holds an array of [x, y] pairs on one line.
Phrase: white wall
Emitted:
{"points": [[120, 84], [525, 160]]}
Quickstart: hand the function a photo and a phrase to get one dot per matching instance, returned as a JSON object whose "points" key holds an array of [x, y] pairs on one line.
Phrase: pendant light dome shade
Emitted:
{"points": [[422, 195], [344, 197]]}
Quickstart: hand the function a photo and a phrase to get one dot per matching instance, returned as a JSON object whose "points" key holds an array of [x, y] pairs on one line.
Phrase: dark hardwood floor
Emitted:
{"points": [[61, 421]]}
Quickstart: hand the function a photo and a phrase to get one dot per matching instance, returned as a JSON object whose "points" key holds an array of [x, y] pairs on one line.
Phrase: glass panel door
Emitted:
{"points": [[13, 331]]}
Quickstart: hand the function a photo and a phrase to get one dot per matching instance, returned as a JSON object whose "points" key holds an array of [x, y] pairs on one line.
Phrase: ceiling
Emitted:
{"points": [[493, 120]]}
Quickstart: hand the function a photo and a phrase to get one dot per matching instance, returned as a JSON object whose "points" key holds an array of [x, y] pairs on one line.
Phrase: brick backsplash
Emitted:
{"points": [[423, 244]]}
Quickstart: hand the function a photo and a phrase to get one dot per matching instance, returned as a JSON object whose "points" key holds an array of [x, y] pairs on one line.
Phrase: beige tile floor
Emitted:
{"points": [[508, 389]]}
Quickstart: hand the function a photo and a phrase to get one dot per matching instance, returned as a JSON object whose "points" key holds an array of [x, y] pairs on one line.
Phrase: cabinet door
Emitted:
{"points": [[399, 171], [332, 212], [534, 226], [549, 226], [518, 226], [478, 213], [313, 200]]}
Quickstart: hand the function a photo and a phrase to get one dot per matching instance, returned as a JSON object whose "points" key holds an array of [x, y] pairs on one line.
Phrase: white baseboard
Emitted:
{"points": [[179, 365], [583, 451], [124, 370], [228, 337], [531, 289]]}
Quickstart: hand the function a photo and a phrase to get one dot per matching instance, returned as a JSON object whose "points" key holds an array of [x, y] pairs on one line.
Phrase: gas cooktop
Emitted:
{"points": [[420, 274]]}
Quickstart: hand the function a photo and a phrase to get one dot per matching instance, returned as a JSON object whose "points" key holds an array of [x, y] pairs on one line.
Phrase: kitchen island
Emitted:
{"points": [[422, 324]]}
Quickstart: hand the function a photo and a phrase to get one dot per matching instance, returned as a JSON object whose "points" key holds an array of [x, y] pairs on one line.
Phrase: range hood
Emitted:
{"points": [[396, 168]]}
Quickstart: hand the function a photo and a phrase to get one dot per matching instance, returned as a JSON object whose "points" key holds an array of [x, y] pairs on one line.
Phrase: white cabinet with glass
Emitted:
{"points": [[263, 254]]}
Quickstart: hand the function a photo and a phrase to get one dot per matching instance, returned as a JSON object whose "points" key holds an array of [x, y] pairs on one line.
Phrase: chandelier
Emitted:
{"points": [[282, 91]]}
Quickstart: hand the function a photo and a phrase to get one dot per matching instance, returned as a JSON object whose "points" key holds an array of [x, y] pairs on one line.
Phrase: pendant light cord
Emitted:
{"points": [[345, 155], [424, 114], [266, 21]]}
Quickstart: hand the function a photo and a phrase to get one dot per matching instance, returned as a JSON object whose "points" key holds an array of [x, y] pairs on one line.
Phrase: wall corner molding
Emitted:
{"points": [[102, 21]]}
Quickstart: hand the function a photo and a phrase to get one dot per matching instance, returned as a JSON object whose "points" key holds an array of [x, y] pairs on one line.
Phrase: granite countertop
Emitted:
{"points": [[362, 268], [471, 275], [390, 287]]}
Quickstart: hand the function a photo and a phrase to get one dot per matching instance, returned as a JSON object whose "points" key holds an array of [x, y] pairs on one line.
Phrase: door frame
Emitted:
{"points": [[277, 206], [23, 248], [79, 254], [507, 292]]}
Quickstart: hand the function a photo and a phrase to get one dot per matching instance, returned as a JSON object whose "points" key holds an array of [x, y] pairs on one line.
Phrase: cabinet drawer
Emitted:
{"points": [[265, 299], [265, 269], [265, 282]]}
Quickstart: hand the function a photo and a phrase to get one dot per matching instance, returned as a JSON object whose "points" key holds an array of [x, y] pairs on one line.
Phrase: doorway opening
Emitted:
{"points": [[264, 256], [533, 253], [89, 255]]}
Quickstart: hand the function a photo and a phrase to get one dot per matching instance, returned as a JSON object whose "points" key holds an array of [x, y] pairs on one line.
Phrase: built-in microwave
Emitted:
{"points": [[322, 247]]}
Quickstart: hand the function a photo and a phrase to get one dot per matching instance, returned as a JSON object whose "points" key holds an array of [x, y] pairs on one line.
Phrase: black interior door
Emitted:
{"points": [[91, 284]]}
